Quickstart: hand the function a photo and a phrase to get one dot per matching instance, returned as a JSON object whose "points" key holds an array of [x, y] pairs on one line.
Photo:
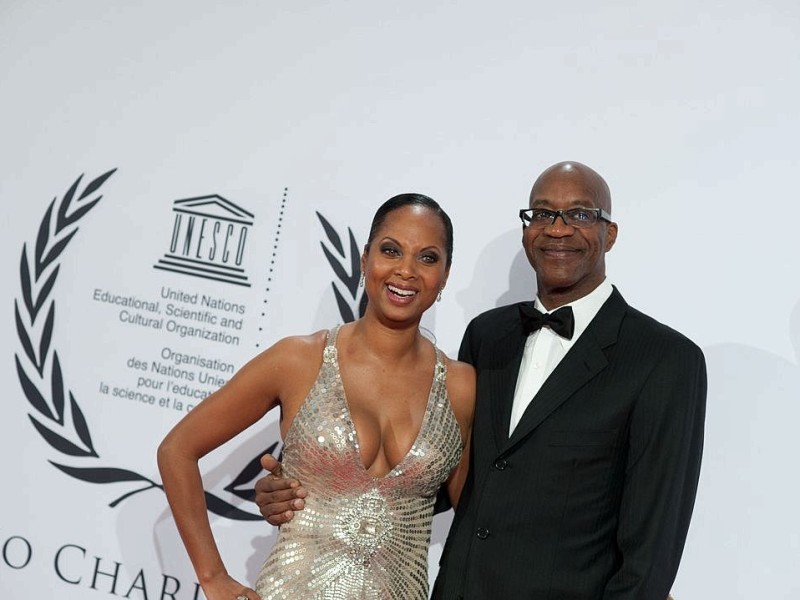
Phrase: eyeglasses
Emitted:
{"points": [[539, 218]]}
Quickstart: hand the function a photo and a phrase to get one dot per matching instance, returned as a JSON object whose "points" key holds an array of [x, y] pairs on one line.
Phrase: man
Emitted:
{"points": [[588, 426]]}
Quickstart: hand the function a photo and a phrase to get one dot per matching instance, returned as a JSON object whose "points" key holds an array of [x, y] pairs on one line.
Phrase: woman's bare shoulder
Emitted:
{"points": [[290, 354], [461, 389], [302, 343], [460, 372]]}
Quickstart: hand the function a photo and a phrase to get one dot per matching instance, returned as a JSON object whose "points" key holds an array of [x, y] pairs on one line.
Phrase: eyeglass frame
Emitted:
{"points": [[554, 214]]}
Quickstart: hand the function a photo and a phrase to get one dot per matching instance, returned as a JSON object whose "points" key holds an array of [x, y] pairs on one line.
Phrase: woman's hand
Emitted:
{"points": [[225, 587]]}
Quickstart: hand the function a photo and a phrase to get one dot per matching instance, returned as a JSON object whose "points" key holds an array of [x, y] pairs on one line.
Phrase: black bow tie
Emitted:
{"points": [[561, 321]]}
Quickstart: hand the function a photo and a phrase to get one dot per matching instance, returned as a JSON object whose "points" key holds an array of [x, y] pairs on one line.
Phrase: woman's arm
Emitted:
{"points": [[461, 391], [248, 396]]}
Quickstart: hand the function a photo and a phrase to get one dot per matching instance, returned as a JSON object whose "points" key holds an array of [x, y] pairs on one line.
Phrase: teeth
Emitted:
{"points": [[399, 292]]}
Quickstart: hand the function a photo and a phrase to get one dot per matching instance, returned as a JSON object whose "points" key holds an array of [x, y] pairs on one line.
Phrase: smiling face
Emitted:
{"points": [[405, 264], [569, 262]]}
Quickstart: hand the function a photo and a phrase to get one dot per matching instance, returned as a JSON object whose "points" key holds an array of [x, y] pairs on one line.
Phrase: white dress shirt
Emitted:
{"points": [[544, 349]]}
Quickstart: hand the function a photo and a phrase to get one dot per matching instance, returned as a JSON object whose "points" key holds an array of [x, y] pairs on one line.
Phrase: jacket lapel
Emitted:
{"points": [[583, 361], [501, 376]]}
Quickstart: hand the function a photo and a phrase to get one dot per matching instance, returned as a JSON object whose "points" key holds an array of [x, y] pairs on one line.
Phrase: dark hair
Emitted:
{"points": [[402, 200]]}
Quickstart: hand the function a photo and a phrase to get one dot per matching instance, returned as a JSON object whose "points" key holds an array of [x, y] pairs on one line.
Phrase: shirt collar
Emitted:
{"points": [[584, 309]]}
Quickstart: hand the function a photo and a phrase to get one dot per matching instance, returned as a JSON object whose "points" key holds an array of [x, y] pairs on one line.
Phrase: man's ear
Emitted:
{"points": [[611, 236]]}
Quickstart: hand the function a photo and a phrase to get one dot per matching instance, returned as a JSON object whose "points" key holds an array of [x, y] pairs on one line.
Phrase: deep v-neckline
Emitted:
{"points": [[438, 371]]}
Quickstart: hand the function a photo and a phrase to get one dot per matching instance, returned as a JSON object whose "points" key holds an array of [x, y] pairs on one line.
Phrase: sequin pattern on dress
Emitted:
{"points": [[359, 536]]}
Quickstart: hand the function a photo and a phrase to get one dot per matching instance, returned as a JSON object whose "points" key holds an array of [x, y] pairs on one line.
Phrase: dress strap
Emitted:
{"points": [[438, 396], [329, 353], [440, 372]]}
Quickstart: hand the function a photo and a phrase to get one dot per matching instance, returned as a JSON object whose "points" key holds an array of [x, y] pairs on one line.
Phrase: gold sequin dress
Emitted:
{"points": [[358, 536]]}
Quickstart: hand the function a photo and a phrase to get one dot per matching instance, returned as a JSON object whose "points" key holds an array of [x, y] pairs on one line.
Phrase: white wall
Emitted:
{"points": [[688, 109]]}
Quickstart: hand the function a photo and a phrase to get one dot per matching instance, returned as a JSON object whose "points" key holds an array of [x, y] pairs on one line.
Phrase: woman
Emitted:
{"points": [[373, 417]]}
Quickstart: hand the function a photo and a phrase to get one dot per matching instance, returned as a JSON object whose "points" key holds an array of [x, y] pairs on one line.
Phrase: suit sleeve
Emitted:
{"points": [[467, 349], [662, 471]]}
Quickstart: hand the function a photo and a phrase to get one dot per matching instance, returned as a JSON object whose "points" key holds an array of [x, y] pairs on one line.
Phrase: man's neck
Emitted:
{"points": [[553, 299]]}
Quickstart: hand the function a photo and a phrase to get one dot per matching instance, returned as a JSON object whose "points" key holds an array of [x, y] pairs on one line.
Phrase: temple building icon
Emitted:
{"points": [[209, 237]]}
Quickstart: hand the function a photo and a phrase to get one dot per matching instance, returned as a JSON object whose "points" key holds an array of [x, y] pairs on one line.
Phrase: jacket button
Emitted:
{"points": [[483, 533], [500, 464]]}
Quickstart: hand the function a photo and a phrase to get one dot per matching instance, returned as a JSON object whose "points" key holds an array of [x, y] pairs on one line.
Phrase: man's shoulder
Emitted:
{"points": [[491, 333], [640, 324], [506, 314]]}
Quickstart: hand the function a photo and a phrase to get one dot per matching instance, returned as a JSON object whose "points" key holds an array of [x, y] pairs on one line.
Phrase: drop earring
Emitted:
{"points": [[439, 297], [361, 281]]}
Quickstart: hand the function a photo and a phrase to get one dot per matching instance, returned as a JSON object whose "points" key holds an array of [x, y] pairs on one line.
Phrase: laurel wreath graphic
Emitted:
{"points": [[348, 275], [60, 423]]}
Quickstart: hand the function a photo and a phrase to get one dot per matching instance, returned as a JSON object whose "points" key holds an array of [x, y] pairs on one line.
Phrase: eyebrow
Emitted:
{"points": [[394, 241]]}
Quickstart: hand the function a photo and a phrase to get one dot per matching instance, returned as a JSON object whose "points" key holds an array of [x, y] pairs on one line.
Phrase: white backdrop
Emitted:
{"points": [[288, 109]]}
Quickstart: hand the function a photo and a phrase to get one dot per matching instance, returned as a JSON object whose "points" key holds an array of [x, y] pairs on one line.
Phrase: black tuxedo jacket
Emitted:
{"points": [[591, 497]]}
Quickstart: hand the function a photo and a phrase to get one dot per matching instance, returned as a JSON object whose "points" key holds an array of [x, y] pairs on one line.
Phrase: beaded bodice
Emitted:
{"points": [[359, 536]]}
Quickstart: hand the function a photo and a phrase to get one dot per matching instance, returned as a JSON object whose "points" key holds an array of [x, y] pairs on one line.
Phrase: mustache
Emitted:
{"points": [[558, 247]]}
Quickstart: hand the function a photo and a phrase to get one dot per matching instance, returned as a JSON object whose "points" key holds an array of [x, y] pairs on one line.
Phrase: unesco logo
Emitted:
{"points": [[209, 235], [207, 226]]}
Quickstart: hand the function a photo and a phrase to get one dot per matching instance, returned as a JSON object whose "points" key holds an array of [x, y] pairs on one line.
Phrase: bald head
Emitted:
{"points": [[569, 259], [595, 186]]}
